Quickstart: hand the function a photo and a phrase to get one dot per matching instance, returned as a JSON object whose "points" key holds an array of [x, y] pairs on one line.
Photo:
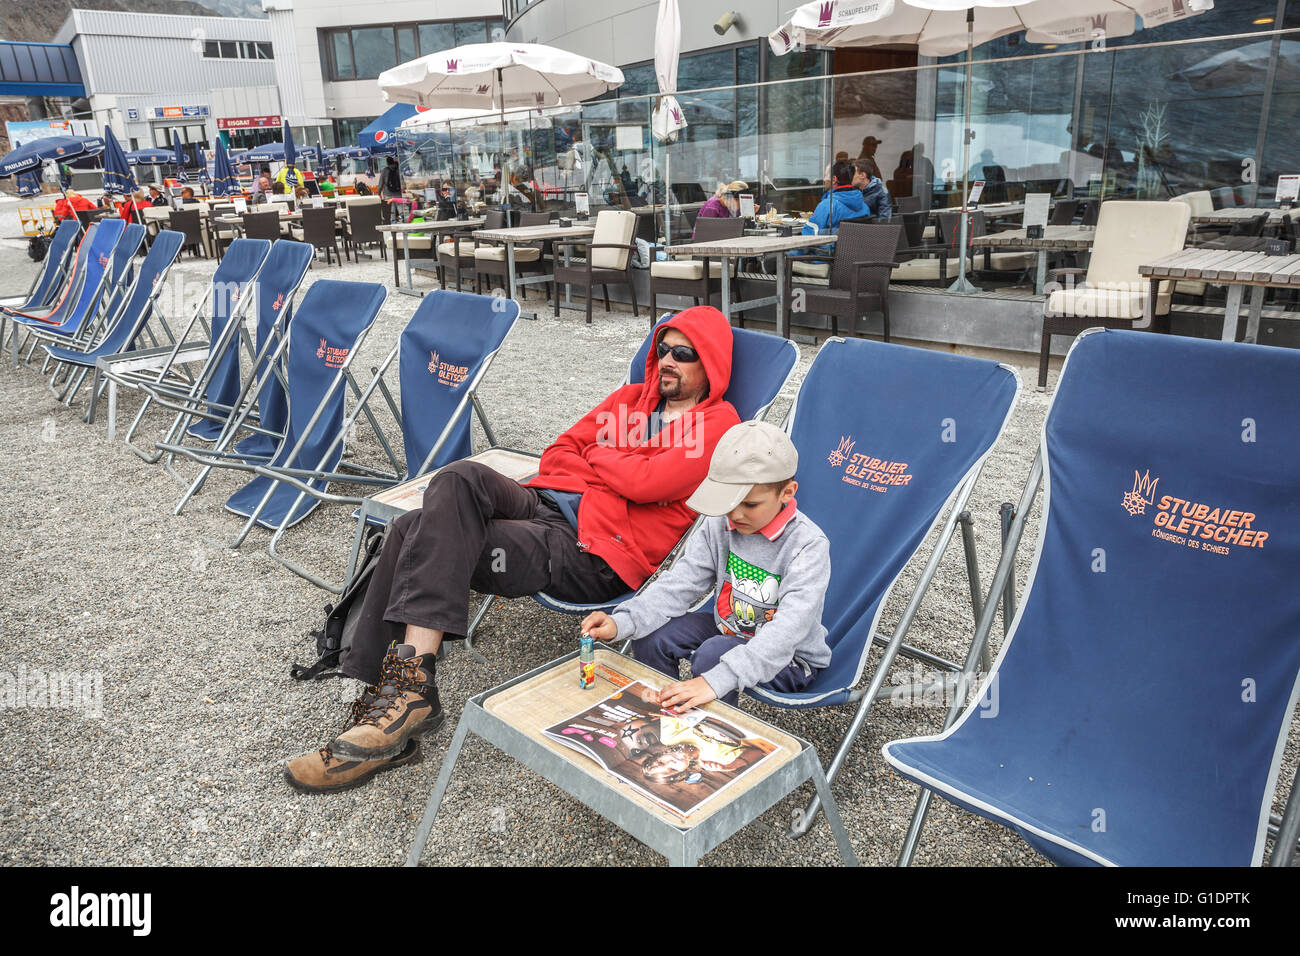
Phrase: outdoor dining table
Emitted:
{"points": [[404, 229], [1065, 238], [1233, 215], [513, 235], [1236, 270], [753, 246]]}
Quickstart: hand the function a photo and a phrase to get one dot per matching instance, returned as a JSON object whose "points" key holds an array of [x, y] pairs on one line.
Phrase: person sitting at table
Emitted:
{"points": [[301, 195], [132, 210], [277, 189], [725, 201], [71, 204], [841, 202], [156, 197], [873, 190], [187, 194]]}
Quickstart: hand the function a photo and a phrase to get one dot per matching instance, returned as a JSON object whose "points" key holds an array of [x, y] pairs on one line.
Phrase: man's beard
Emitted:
{"points": [[670, 386]]}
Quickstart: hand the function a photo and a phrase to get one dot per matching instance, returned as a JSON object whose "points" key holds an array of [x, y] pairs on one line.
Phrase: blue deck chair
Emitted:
{"points": [[57, 310], [117, 286], [1138, 710], [323, 341], [221, 310], [49, 280], [761, 365], [126, 327], [443, 354], [878, 477], [80, 306], [274, 291]]}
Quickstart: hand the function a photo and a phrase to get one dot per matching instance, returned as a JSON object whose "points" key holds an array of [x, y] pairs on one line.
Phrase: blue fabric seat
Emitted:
{"points": [[1141, 702]]}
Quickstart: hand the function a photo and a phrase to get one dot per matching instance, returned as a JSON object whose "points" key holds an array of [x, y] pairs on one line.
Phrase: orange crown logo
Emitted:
{"points": [[320, 352], [1144, 493], [433, 362], [841, 453], [279, 301]]}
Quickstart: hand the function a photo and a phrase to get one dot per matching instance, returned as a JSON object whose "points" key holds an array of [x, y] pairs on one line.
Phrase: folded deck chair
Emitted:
{"points": [[130, 320], [1138, 710], [443, 354], [273, 293], [761, 364], [878, 477], [52, 274], [169, 383], [330, 326], [82, 301]]}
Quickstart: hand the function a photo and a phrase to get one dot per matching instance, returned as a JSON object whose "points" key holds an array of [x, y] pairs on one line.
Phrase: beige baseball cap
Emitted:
{"points": [[751, 453]]}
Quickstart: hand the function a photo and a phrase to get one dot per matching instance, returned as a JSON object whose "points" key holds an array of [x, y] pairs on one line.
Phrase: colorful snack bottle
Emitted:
{"points": [[587, 662]]}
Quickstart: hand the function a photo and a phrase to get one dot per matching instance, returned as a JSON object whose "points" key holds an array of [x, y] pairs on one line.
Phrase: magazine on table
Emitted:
{"points": [[679, 760]]}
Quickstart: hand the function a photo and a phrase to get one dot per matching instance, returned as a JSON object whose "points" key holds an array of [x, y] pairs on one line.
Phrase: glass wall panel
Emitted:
{"points": [[436, 37], [374, 51]]}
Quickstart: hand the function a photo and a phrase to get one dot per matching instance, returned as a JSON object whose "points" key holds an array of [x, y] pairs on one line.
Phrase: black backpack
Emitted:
{"points": [[334, 639], [37, 246]]}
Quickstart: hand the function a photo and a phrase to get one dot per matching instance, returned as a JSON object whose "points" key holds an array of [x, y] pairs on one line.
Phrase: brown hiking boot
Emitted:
{"points": [[320, 771], [402, 703]]}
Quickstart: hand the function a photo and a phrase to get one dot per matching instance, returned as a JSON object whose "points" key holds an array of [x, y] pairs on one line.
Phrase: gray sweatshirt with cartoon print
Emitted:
{"points": [[769, 586]]}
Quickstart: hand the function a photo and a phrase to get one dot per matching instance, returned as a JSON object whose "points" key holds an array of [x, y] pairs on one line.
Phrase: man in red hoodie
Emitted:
{"points": [[607, 505]]}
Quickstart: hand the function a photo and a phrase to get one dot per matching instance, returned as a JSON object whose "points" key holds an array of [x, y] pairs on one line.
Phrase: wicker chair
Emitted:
{"points": [[261, 225], [363, 220], [693, 277], [609, 259], [319, 228], [530, 258], [190, 224], [859, 276]]}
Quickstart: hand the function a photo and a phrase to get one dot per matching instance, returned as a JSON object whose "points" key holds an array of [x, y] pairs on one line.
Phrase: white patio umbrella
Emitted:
{"points": [[498, 76], [668, 119], [945, 27]]}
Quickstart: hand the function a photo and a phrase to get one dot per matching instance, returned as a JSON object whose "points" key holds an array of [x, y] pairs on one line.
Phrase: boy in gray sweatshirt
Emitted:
{"points": [[769, 565]]}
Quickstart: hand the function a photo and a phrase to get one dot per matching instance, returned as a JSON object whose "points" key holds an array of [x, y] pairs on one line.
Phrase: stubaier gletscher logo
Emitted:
{"points": [[334, 358], [448, 374], [1207, 526], [867, 471]]}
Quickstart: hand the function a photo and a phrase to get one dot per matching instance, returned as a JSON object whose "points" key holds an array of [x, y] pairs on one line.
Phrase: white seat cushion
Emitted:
{"points": [[1184, 287], [416, 240], [921, 269], [498, 253], [930, 233], [1010, 261], [1089, 303], [817, 270], [613, 226], [448, 248], [686, 269]]}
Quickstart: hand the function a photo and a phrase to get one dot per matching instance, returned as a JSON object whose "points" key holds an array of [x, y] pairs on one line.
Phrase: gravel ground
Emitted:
{"points": [[194, 642]]}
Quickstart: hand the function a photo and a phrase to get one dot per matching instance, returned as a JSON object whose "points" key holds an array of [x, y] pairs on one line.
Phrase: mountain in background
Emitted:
{"points": [[40, 21]]}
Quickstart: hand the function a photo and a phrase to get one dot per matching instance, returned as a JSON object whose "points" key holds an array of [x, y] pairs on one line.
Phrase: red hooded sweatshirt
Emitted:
{"points": [[623, 478]]}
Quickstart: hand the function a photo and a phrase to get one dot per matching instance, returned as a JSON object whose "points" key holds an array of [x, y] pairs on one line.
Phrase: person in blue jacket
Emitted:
{"points": [[843, 201]]}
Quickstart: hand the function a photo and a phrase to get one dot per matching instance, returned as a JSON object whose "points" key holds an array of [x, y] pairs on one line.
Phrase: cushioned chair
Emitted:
{"points": [[1114, 294], [858, 273], [362, 222], [530, 259], [1063, 212], [261, 225], [319, 229], [696, 278], [609, 259], [456, 252], [936, 264], [188, 223]]}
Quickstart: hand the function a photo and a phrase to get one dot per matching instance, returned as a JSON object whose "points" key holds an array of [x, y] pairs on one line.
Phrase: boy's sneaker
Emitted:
{"points": [[321, 771], [402, 703]]}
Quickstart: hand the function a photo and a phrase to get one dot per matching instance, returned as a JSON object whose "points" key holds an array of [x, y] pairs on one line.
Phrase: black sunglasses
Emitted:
{"points": [[681, 353]]}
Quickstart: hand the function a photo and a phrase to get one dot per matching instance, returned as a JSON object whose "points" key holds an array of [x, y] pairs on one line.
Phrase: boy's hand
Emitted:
{"points": [[600, 626], [686, 694]]}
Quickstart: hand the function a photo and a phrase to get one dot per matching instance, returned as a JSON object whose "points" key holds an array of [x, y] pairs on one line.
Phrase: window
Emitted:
{"points": [[211, 49], [341, 47], [228, 50], [474, 32], [373, 50], [436, 37], [362, 53], [406, 48], [237, 50]]}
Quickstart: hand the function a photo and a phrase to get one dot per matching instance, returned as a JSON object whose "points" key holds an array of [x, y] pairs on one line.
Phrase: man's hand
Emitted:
{"points": [[686, 694], [600, 626]]}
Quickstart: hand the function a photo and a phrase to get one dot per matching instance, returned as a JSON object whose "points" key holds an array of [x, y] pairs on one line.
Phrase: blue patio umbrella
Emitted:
{"points": [[179, 157], [203, 163], [224, 182], [49, 149], [150, 157], [28, 185], [290, 156], [117, 170]]}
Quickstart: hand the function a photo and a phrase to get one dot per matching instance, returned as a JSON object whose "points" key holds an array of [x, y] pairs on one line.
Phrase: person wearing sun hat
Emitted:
{"points": [[769, 565]]}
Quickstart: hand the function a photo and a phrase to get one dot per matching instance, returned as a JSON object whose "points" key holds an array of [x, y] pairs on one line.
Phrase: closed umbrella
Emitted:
{"points": [[178, 157], [667, 121], [946, 27], [117, 171], [499, 76], [224, 181]]}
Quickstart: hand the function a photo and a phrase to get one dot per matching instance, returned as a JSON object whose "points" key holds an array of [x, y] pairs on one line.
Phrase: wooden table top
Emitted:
{"points": [[1054, 237], [444, 225], [529, 233], [1226, 266], [1236, 214], [749, 245]]}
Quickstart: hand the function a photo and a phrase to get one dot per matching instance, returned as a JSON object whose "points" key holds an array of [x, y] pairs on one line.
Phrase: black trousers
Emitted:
{"points": [[480, 530]]}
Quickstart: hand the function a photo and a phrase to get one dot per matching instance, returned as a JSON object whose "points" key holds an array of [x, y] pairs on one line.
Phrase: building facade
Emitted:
{"points": [[147, 74], [328, 53]]}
